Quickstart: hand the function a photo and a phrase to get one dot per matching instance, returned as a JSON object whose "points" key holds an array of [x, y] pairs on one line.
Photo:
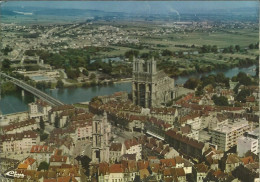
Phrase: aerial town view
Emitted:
{"points": [[129, 91]]}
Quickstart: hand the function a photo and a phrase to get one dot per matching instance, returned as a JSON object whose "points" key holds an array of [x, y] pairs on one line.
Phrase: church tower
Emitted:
{"points": [[150, 88], [101, 134]]}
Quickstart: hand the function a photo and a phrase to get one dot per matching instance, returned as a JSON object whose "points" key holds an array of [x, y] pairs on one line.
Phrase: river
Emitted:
{"points": [[14, 102]]}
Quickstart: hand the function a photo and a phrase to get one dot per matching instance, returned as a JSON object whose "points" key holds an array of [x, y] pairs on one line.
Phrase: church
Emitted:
{"points": [[150, 88]]}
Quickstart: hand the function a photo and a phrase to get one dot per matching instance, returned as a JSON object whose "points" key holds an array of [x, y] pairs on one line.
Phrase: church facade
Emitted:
{"points": [[150, 88]]}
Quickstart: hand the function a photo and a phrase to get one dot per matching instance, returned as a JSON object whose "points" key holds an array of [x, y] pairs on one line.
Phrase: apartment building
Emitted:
{"points": [[19, 143], [41, 153], [19, 127], [39, 109], [225, 136], [245, 144]]}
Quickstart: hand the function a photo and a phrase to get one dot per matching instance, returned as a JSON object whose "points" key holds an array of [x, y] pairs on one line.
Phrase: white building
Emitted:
{"points": [[39, 109], [19, 143], [245, 144], [226, 135], [113, 173], [215, 121], [83, 130], [131, 146], [254, 134], [115, 152], [41, 153], [195, 125], [166, 114], [200, 172]]}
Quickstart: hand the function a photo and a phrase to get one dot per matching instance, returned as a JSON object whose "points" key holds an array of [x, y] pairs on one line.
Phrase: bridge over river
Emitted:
{"points": [[40, 94]]}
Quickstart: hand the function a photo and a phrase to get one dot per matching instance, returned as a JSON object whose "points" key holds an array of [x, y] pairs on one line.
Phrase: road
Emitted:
{"points": [[121, 135]]}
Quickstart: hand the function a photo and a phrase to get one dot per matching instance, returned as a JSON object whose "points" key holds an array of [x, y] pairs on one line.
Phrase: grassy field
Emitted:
{"points": [[221, 39]]}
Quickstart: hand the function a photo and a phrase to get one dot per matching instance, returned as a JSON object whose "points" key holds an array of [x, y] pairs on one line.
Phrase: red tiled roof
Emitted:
{"points": [[142, 164], [232, 159], [29, 161], [131, 142], [41, 103], [250, 99], [103, 168], [62, 108], [41, 149], [23, 166], [115, 147], [116, 168], [57, 158], [180, 172], [201, 168], [247, 160], [63, 179], [168, 162], [18, 136], [17, 125], [50, 180], [190, 141]]}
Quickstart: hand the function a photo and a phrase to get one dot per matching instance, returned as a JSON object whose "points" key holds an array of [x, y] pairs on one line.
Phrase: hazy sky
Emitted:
{"points": [[139, 6]]}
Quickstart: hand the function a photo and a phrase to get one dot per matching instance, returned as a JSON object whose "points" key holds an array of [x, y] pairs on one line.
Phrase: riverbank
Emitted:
{"points": [[15, 102], [125, 80]]}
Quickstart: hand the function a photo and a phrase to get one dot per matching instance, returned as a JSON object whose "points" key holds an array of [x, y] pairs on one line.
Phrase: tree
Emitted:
{"points": [[92, 76], [85, 161], [41, 85], [43, 136], [251, 46], [56, 122], [85, 72], [220, 101], [49, 84], [236, 88], [6, 64], [166, 52], [231, 49], [225, 50], [137, 178], [60, 84], [191, 83], [207, 80], [243, 79], [42, 124], [6, 50], [43, 166], [145, 55], [237, 47], [206, 48], [214, 49], [72, 74], [199, 90], [241, 96], [131, 53], [94, 99]]}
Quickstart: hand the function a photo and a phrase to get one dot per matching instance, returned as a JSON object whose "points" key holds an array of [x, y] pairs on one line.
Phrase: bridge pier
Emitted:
{"points": [[23, 93]]}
